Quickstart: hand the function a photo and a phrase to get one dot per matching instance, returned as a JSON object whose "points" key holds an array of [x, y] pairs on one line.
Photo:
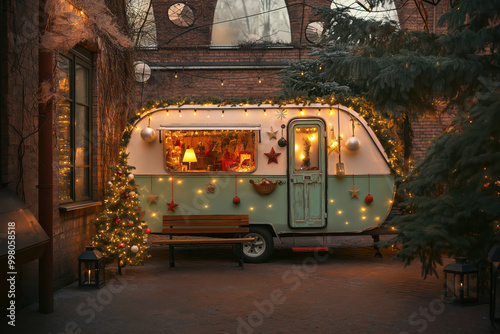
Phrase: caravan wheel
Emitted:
{"points": [[261, 249]]}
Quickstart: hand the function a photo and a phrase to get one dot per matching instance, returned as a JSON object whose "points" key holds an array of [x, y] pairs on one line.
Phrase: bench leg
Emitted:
{"points": [[240, 255], [376, 238], [171, 263]]}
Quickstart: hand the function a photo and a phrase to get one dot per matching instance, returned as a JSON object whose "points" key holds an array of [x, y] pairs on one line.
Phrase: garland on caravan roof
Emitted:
{"points": [[388, 129]]}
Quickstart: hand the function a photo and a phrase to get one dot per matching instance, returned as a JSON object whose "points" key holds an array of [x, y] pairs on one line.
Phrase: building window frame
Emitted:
{"points": [[75, 126]]}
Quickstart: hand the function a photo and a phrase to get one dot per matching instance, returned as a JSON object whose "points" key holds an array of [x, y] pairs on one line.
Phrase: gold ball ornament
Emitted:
{"points": [[148, 135], [352, 144]]}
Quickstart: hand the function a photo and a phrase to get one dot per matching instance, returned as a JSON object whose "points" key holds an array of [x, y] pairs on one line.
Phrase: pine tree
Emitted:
{"points": [[121, 233], [451, 200]]}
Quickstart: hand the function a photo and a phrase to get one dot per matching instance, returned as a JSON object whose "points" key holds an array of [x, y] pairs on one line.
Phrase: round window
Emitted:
{"points": [[181, 15], [314, 31]]}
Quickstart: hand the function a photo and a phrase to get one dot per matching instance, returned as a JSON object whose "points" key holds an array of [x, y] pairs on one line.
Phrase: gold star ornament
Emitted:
{"points": [[152, 198], [354, 192], [272, 134]]}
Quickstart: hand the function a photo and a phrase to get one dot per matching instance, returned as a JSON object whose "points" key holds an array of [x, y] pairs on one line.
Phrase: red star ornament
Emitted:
{"points": [[272, 156], [171, 206]]}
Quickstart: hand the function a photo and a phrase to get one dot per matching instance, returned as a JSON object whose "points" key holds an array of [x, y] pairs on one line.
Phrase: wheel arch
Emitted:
{"points": [[267, 226]]}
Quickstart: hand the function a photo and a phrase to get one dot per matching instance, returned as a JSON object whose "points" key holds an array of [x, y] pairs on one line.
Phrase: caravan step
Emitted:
{"points": [[309, 249]]}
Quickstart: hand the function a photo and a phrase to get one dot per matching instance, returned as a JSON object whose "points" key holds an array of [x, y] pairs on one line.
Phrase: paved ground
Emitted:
{"points": [[348, 291]]}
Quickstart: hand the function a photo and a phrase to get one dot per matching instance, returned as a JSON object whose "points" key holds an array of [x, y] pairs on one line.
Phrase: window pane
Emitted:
{"points": [[82, 135], [65, 183], [306, 148], [64, 77], [214, 150], [81, 84], [64, 139], [239, 22], [141, 18], [82, 183]]}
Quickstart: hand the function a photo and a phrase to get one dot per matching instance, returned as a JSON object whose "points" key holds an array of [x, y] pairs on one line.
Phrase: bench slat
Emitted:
{"points": [[213, 241], [180, 230], [205, 217], [196, 222]]}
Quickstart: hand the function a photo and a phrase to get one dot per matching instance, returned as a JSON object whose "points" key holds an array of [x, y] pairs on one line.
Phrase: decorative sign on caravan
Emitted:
{"points": [[310, 170]]}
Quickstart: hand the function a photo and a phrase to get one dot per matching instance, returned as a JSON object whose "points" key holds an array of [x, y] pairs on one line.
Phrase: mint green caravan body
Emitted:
{"points": [[319, 182]]}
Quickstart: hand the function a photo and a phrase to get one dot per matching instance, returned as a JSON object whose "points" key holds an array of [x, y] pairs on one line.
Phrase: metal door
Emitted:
{"points": [[307, 173]]}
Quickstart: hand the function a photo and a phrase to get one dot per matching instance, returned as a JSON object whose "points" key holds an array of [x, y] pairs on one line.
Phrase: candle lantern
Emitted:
{"points": [[91, 271], [494, 257], [460, 282]]}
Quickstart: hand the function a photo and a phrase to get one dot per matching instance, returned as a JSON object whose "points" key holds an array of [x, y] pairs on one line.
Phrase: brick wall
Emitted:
{"points": [[425, 130]]}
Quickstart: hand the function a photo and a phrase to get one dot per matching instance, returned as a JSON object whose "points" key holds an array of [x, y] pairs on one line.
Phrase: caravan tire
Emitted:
{"points": [[261, 249]]}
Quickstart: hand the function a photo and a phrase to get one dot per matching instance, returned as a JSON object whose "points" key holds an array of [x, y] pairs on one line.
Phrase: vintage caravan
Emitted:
{"points": [[295, 170]]}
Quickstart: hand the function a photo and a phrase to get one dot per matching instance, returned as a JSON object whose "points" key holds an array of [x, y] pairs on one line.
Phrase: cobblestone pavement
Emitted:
{"points": [[347, 291]]}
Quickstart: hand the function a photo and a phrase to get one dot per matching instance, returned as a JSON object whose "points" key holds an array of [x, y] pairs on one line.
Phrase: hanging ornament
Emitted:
{"points": [[236, 199], [208, 153], [282, 141], [272, 133], [152, 198], [117, 221], [110, 183], [282, 114], [339, 167], [352, 144], [147, 230], [148, 135], [272, 156], [177, 143], [130, 176], [130, 223], [121, 245], [354, 192], [134, 249], [172, 205], [119, 173], [132, 194], [126, 196], [368, 198]]}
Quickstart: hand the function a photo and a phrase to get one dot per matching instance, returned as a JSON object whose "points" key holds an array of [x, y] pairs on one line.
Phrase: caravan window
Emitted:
{"points": [[210, 150]]}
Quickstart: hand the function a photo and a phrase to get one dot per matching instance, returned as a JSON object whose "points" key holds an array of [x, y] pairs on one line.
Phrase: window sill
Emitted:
{"points": [[77, 206]]}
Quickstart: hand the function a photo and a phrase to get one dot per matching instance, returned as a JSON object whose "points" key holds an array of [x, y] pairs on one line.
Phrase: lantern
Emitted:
{"points": [[494, 257], [91, 268], [460, 282]]}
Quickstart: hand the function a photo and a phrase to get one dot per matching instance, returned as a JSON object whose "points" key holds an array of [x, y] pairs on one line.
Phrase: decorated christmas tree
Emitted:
{"points": [[121, 234]]}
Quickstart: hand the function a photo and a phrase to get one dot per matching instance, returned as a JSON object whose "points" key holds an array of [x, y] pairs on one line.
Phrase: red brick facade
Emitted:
{"points": [[186, 65]]}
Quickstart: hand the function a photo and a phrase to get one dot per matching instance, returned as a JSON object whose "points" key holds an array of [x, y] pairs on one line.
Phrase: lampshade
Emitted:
{"points": [[189, 156]]}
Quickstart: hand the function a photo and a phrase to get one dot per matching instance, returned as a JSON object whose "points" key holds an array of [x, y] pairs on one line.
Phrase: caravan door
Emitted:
{"points": [[307, 173]]}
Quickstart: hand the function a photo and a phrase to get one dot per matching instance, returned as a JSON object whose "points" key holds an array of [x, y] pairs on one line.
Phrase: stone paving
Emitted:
{"points": [[347, 291]]}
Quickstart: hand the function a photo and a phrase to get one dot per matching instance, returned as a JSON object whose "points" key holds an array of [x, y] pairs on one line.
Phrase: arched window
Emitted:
{"points": [[239, 22], [362, 9], [142, 22]]}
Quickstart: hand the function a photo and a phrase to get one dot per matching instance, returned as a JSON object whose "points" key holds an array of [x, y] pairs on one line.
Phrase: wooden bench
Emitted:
{"points": [[205, 225]]}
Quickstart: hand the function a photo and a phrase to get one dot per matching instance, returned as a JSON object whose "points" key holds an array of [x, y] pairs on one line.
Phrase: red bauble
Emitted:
{"points": [[147, 231], [121, 245], [368, 199], [208, 153], [130, 224], [126, 196], [118, 220], [119, 173], [236, 200]]}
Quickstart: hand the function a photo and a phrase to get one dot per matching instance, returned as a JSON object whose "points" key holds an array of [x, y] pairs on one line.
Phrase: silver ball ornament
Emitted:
{"points": [[131, 194], [148, 135], [134, 249], [130, 176], [352, 144]]}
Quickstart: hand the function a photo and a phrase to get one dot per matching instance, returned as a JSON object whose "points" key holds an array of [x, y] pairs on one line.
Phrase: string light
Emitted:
{"points": [[168, 113], [222, 114], [246, 112], [319, 111], [222, 82], [175, 75], [195, 112], [259, 80], [180, 113], [265, 112]]}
